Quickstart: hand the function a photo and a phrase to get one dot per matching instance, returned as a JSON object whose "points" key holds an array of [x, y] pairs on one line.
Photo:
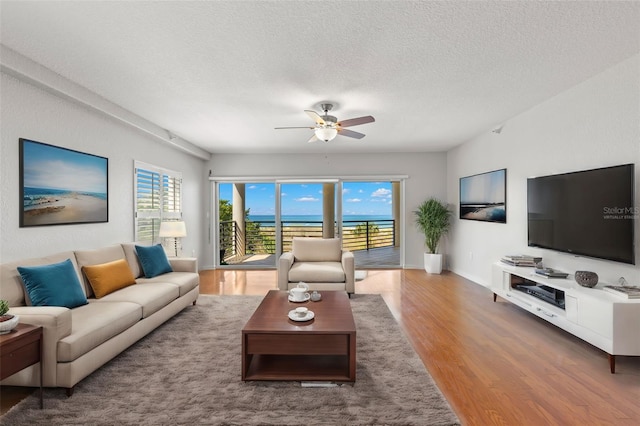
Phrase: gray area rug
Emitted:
{"points": [[188, 372]]}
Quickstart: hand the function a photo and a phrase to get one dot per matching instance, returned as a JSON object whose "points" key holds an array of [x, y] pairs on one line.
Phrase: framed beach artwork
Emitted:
{"points": [[60, 186], [483, 197]]}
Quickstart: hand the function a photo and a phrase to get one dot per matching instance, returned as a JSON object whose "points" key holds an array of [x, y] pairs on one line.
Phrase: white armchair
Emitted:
{"points": [[319, 262]]}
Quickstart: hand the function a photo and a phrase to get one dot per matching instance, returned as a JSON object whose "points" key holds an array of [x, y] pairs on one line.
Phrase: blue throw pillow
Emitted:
{"points": [[153, 260], [53, 285]]}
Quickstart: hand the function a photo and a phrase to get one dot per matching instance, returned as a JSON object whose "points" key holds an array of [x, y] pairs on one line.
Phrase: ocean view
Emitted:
{"points": [[44, 206], [34, 197], [305, 220]]}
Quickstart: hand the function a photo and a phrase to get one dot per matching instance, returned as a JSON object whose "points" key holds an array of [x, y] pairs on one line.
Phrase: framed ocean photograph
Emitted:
{"points": [[483, 197], [60, 186]]}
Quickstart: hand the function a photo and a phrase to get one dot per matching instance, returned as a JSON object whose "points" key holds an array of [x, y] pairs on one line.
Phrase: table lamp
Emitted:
{"points": [[173, 229]]}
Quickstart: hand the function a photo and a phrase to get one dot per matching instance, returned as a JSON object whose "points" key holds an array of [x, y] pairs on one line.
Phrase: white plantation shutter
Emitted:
{"points": [[158, 197], [172, 199]]}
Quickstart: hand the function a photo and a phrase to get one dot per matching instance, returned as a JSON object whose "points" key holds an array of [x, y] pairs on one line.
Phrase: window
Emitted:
{"points": [[158, 194]]}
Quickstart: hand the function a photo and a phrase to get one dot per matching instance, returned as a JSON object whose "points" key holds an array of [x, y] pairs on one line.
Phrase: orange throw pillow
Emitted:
{"points": [[109, 277]]}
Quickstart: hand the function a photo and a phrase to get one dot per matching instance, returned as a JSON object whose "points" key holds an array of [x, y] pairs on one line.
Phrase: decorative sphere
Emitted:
{"points": [[586, 278]]}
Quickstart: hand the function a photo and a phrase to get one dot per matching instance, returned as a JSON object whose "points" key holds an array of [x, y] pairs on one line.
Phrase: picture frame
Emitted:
{"points": [[483, 197], [61, 186]]}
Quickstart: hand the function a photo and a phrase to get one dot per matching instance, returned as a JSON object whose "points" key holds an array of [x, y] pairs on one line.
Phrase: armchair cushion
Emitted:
{"points": [[308, 249], [319, 272]]}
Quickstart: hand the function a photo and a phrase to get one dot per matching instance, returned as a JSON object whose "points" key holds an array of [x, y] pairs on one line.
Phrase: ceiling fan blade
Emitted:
{"points": [[305, 127], [356, 121], [313, 138], [350, 134], [315, 117]]}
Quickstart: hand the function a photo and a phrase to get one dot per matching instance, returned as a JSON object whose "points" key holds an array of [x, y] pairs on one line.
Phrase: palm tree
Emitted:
{"points": [[368, 229]]}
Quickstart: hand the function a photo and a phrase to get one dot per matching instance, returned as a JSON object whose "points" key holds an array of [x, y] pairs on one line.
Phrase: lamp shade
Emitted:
{"points": [[326, 133], [173, 229]]}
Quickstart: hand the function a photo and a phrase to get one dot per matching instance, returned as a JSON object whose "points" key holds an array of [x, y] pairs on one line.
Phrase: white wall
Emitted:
{"points": [[594, 124], [30, 112], [426, 171]]}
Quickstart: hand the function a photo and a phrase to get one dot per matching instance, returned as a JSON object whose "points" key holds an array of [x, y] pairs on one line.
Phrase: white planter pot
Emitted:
{"points": [[433, 263], [7, 326]]}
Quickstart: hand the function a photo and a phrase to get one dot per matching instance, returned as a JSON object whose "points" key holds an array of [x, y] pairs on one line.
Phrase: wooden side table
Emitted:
{"points": [[19, 349]]}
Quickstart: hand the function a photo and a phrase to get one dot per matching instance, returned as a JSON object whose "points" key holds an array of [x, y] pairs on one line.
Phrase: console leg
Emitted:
{"points": [[495, 296], [612, 363]]}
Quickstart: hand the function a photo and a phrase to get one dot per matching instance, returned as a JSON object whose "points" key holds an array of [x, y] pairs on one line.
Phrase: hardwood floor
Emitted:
{"points": [[495, 363]]}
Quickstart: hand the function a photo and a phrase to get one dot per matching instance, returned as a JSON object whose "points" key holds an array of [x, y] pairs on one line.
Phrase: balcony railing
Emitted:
{"points": [[260, 236], [368, 234]]}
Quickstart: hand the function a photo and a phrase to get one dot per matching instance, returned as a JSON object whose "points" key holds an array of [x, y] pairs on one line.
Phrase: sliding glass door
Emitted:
{"points": [[256, 221]]}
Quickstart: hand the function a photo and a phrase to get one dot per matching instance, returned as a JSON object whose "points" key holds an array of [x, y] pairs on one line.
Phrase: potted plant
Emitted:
{"points": [[433, 219], [7, 321]]}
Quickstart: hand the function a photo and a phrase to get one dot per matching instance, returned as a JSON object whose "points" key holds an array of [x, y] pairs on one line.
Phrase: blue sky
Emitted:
{"points": [[358, 198], [50, 167]]}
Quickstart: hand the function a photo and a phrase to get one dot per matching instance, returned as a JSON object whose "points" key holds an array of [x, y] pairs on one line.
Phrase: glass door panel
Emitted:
{"points": [[371, 222], [307, 210], [246, 217]]}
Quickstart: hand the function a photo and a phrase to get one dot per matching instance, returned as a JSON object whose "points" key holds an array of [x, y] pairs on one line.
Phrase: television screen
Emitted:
{"points": [[589, 213]]}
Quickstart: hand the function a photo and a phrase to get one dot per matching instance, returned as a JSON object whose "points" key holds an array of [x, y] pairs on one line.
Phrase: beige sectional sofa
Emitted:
{"points": [[80, 340]]}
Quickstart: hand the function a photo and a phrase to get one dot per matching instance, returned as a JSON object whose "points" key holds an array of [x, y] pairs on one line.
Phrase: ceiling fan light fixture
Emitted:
{"points": [[326, 127], [326, 133]]}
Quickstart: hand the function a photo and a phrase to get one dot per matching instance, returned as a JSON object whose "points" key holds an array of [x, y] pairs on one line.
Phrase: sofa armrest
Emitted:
{"points": [[348, 264], [184, 264], [284, 264], [56, 324]]}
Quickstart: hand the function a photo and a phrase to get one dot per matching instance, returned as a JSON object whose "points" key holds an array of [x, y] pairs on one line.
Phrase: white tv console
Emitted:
{"points": [[606, 321]]}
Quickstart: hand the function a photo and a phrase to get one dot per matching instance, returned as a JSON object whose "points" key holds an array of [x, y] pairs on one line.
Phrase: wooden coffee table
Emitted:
{"points": [[323, 349]]}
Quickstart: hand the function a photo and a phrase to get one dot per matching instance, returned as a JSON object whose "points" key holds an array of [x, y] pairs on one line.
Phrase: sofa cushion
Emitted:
{"points": [[97, 257], [151, 297], [53, 285], [309, 249], [185, 281], [94, 324], [153, 260], [317, 272], [109, 277], [132, 258]]}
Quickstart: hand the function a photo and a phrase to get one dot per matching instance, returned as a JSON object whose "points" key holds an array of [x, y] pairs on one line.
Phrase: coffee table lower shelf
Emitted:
{"points": [[333, 368]]}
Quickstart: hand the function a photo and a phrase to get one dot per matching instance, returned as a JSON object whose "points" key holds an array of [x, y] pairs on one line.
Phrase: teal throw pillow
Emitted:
{"points": [[153, 260], [53, 285]]}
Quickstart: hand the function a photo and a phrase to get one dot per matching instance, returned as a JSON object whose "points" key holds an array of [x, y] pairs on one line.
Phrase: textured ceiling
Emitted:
{"points": [[222, 75]]}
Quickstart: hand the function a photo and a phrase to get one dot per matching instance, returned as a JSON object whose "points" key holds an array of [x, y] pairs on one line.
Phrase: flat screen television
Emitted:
{"points": [[589, 213]]}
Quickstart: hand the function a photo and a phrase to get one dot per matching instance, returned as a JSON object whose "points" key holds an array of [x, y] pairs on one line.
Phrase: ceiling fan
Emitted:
{"points": [[328, 127]]}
